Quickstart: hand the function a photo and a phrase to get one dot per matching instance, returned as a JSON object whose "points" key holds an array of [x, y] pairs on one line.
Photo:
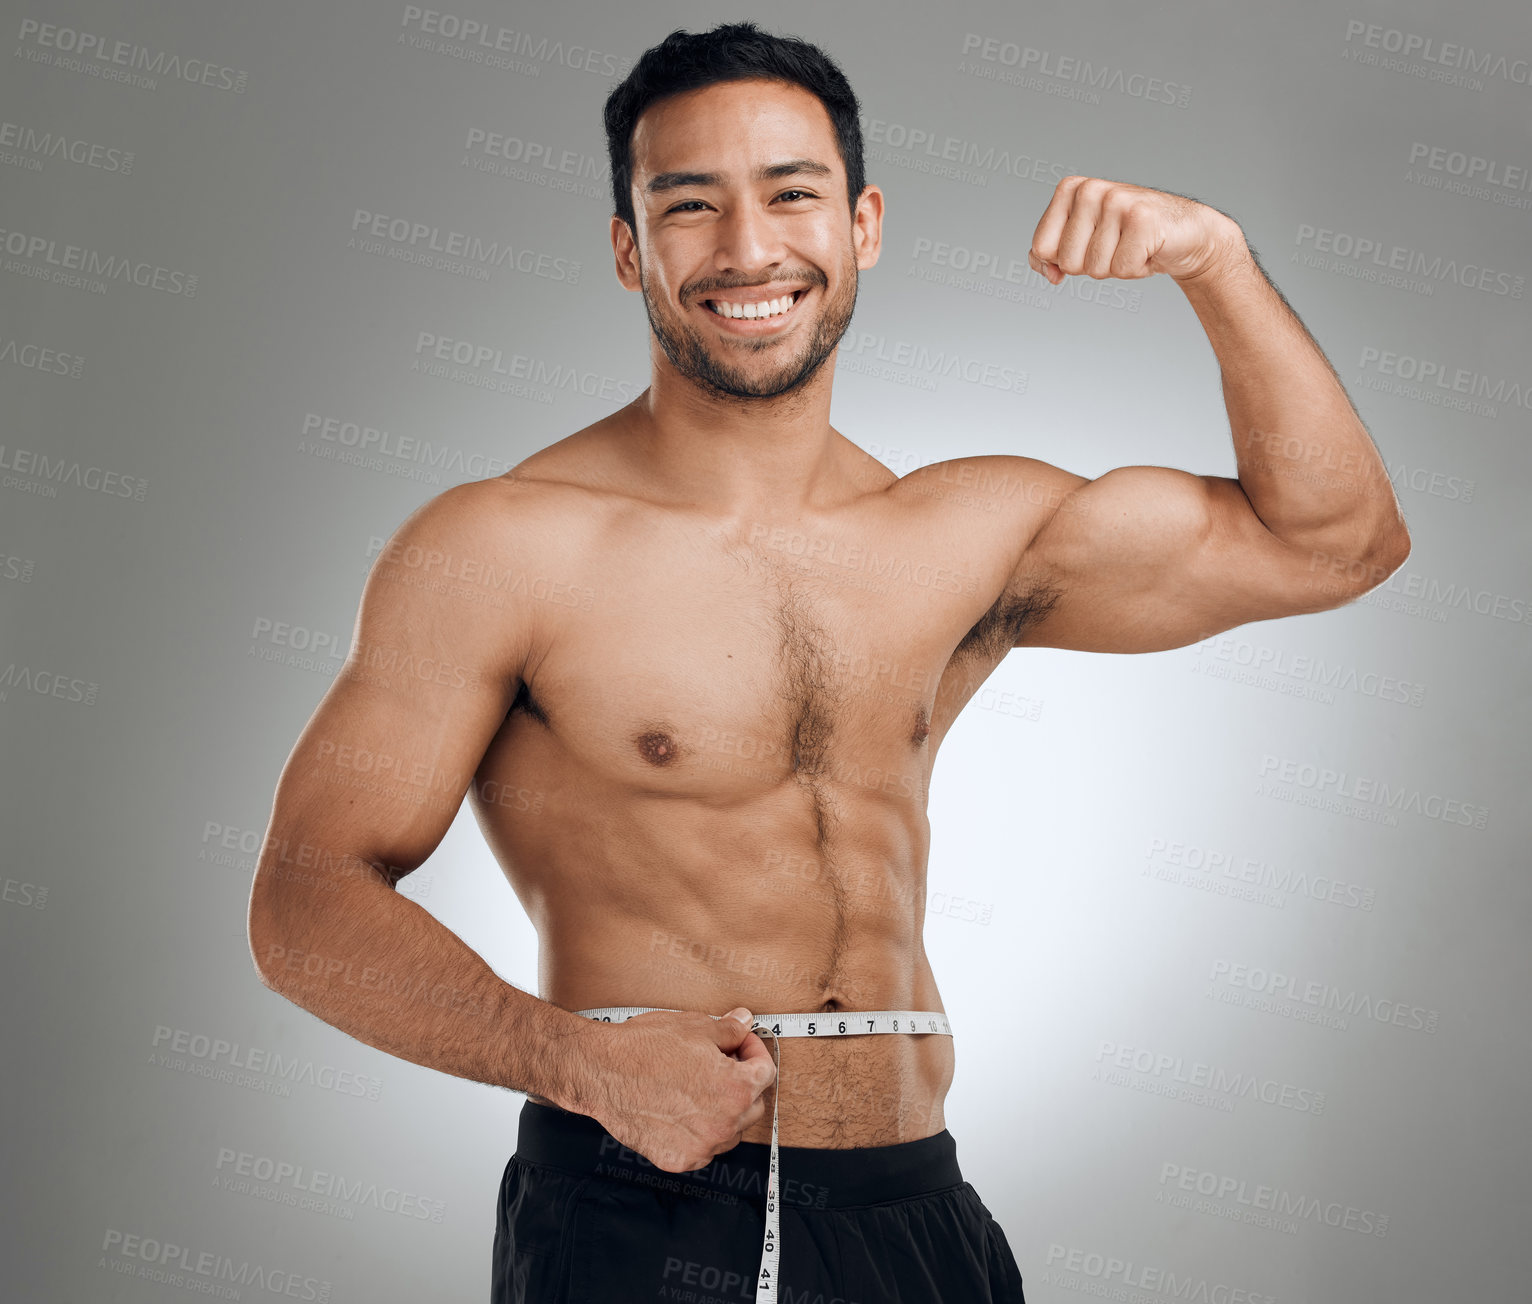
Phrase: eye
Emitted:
{"points": [[787, 194], [684, 206]]}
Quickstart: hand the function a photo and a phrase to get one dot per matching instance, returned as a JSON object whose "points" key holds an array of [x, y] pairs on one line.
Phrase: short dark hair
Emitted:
{"points": [[687, 61]]}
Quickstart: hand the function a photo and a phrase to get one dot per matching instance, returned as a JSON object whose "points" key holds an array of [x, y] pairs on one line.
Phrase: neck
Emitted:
{"points": [[735, 455]]}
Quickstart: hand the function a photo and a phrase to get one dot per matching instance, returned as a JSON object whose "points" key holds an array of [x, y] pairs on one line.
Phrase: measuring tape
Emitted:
{"points": [[841, 1023]]}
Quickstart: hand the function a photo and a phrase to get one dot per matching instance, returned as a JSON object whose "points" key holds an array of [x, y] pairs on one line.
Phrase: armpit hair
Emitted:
{"points": [[1004, 623]]}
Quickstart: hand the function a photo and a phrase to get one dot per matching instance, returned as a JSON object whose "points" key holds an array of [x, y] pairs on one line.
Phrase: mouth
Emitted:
{"points": [[755, 316]]}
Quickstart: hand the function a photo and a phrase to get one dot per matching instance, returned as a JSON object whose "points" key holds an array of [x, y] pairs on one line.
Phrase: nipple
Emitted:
{"points": [[656, 747]]}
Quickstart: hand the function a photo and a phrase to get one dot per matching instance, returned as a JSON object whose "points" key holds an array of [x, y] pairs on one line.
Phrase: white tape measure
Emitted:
{"points": [[841, 1023]]}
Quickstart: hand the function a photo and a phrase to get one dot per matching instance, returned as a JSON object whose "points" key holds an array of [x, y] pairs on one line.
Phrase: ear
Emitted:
{"points": [[625, 252], [867, 227]]}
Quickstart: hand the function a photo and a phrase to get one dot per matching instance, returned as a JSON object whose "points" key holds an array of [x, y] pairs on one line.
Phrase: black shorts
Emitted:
{"points": [[584, 1220]]}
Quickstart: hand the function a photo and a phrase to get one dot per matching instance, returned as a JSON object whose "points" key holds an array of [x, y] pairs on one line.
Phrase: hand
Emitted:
{"points": [[1102, 228], [679, 1086]]}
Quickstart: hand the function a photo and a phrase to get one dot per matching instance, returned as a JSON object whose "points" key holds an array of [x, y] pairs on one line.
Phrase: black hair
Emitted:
{"points": [[686, 61]]}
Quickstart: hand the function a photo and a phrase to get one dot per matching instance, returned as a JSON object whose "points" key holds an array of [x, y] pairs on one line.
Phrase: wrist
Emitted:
{"points": [[1228, 254], [576, 1060]]}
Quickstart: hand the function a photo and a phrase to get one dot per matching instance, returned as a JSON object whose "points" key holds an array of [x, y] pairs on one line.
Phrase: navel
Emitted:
{"points": [[922, 727]]}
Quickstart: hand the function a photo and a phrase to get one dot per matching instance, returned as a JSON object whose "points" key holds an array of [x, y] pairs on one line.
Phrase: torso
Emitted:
{"points": [[711, 790]]}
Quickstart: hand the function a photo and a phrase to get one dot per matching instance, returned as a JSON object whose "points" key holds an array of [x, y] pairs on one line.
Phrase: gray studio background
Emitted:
{"points": [[1233, 937]]}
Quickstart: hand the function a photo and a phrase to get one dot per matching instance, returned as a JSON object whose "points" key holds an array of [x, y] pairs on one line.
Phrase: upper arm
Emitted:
{"points": [[1146, 558], [382, 766]]}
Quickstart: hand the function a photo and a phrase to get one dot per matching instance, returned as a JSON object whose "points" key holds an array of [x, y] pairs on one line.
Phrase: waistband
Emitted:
{"points": [[810, 1177]]}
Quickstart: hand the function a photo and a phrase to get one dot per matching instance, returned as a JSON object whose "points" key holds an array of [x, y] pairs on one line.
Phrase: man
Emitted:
{"points": [[696, 660]]}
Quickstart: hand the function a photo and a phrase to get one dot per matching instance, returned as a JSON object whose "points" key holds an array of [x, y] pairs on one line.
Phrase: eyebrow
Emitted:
{"points": [[770, 172]]}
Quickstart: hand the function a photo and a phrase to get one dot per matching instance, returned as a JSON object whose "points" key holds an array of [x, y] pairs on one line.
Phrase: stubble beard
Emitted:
{"points": [[691, 357]]}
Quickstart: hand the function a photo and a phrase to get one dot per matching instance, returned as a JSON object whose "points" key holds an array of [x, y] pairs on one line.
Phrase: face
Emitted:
{"points": [[746, 250]]}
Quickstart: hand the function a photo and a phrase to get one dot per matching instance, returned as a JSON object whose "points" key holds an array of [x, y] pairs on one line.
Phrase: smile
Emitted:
{"points": [[755, 310]]}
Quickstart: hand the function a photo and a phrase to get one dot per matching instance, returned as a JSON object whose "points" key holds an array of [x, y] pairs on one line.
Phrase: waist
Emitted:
{"points": [[811, 1177]]}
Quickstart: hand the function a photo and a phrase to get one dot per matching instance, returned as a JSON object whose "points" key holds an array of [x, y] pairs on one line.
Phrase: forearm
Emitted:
{"points": [[1305, 460], [348, 948]]}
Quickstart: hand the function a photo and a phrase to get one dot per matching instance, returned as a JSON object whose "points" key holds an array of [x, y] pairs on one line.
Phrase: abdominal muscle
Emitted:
{"points": [[835, 1093], [778, 933]]}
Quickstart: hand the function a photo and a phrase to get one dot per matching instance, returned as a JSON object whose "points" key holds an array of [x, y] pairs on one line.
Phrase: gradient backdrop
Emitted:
{"points": [[1233, 937]]}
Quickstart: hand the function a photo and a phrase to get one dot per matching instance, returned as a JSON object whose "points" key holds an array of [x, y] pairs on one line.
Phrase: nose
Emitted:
{"points": [[748, 240]]}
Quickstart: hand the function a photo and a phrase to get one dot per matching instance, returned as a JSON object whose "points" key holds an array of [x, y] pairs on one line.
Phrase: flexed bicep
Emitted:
{"points": [[1147, 558]]}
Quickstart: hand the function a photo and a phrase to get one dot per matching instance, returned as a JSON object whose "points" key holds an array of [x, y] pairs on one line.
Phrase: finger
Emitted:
{"points": [[733, 1028], [1136, 244], [753, 1115], [1080, 227], [1101, 250], [755, 1057], [1045, 239]]}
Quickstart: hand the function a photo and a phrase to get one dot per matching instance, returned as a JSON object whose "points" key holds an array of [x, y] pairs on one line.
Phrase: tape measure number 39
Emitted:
{"points": [[845, 1023]]}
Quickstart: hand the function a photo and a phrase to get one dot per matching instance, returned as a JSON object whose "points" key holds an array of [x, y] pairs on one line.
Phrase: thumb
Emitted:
{"points": [[732, 1028]]}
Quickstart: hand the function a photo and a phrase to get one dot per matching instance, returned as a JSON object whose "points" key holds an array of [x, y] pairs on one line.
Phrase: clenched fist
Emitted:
{"points": [[679, 1086], [1102, 228]]}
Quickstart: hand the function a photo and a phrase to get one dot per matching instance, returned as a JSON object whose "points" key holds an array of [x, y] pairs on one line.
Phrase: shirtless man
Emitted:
{"points": [[692, 665]]}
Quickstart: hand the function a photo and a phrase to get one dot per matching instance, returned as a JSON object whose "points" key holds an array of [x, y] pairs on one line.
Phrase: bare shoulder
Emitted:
{"points": [[993, 506], [538, 507], [489, 555], [1018, 490], [990, 509]]}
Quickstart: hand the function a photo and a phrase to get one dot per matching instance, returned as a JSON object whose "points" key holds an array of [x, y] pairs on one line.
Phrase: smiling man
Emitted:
{"points": [[692, 666]]}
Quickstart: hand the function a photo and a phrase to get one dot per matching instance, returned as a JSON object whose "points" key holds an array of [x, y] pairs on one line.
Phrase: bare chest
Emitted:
{"points": [[716, 668]]}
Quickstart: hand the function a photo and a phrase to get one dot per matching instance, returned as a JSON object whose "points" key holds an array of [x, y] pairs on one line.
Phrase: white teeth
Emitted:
{"points": [[752, 311]]}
